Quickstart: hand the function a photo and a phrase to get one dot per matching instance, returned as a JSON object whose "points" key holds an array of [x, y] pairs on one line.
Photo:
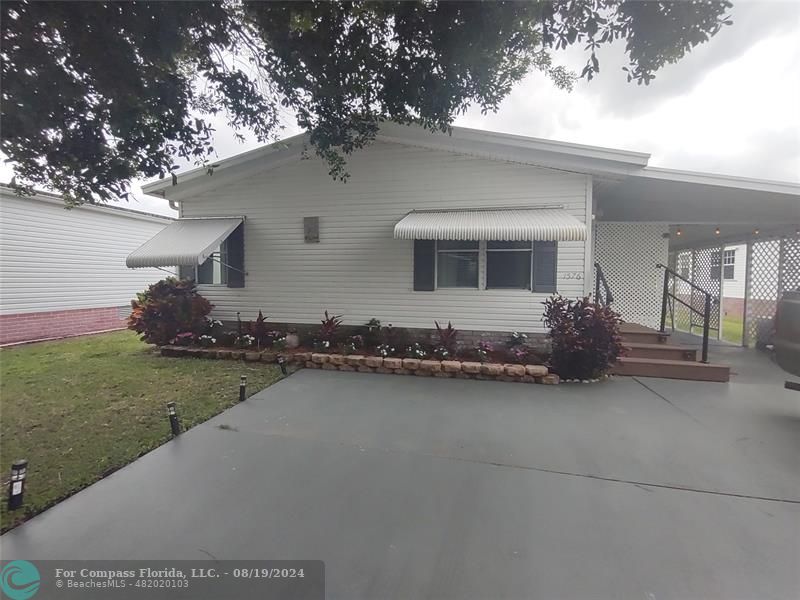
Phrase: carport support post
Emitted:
{"points": [[706, 326], [748, 265], [664, 300], [242, 388]]}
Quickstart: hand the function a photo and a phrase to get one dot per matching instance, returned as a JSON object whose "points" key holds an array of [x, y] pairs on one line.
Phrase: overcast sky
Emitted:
{"points": [[731, 106]]}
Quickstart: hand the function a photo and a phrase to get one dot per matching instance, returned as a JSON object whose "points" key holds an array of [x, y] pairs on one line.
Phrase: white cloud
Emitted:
{"points": [[739, 118]]}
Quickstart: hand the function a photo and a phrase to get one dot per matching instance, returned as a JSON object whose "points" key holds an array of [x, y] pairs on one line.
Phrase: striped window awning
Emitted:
{"points": [[185, 242], [507, 225]]}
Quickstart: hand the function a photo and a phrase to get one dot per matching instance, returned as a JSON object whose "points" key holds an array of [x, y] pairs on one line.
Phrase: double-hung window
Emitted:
{"points": [[215, 269], [457, 264], [523, 265], [728, 265], [508, 265]]}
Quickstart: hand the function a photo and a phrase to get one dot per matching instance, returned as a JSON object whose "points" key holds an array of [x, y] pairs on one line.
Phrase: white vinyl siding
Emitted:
{"points": [[357, 269], [734, 288], [57, 259]]}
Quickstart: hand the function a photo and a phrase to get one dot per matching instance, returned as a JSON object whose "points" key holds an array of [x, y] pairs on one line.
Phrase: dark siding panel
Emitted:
{"points": [[545, 264], [424, 265], [235, 248]]}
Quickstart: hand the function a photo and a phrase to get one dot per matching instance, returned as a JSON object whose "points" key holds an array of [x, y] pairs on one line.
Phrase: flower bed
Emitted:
{"points": [[377, 364]]}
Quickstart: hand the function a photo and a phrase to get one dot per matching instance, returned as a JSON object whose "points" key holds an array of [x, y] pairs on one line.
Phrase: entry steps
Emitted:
{"points": [[649, 354]]}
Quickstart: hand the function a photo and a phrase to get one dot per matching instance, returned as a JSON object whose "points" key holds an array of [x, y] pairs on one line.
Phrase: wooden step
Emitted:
{"points": [[645, 337], [665, 351], [639, 334], [671, 369]]}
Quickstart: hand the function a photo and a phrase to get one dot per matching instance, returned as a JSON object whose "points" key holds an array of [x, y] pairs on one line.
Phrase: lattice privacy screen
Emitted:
{"points": [[704, 261], [774, 268], [628, 253]]}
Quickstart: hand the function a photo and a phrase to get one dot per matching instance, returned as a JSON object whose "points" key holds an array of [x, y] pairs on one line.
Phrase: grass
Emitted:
{"points": [[732, 329], [81, 408]]}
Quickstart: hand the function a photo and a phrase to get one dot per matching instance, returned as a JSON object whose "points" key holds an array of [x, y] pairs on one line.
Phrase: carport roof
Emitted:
{"points": [[670, 196]]}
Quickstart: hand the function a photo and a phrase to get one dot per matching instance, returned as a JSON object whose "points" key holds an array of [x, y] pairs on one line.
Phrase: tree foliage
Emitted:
{"points": [[97, 93]]}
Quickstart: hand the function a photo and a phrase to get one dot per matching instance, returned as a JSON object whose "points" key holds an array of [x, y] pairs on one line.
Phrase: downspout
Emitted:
{"points": [[173, 204]]}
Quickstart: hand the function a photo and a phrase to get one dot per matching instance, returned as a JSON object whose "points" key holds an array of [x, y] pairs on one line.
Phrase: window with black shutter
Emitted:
{"points": [[508, 265], [424, 265], [225, 266], [545, 265]]}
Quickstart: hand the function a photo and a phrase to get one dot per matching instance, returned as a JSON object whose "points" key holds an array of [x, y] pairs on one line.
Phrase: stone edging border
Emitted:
{"points": [[376, 364]]}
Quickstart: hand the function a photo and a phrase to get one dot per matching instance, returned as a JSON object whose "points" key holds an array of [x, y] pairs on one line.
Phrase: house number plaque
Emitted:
{"points": [[311, 229]]}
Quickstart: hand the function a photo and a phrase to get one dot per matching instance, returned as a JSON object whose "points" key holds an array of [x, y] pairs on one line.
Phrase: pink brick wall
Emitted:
{"points": [[24, 327]]}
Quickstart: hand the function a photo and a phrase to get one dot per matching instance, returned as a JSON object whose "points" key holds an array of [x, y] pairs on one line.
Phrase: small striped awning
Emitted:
{"points": [[507, 225], [183, 242]]}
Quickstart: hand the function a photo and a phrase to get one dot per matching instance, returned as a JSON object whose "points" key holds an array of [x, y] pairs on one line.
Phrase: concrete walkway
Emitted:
{"points": [[427, 488]]}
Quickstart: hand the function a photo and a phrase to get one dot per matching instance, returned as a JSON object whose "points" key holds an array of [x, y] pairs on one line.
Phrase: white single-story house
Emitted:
{"points": [[477, 228], [63, 271]]}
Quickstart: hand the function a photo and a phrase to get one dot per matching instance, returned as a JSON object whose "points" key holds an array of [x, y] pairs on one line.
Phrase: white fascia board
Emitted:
{"points": [[290, 146], [730, 181], [463, 138]]}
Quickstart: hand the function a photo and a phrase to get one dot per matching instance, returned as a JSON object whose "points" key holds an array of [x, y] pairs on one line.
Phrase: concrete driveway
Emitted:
{"points": [[426, 488]]}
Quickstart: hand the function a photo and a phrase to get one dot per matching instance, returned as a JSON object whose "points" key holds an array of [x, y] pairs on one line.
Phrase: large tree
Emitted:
{"points": [[97, 93]]}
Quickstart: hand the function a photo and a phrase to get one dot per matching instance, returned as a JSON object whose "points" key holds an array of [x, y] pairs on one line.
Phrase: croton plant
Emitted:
{"points": [[167, 309]]}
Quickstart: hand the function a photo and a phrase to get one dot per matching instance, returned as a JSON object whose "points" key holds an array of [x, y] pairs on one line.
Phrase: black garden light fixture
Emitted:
{"points": [[242, 388], [172, 413], [16, 489], [281, 360]]}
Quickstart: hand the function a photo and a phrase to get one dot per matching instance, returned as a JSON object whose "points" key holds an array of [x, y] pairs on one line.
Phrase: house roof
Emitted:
{"points": [[625, 187], [52, 198], [487, 144]]}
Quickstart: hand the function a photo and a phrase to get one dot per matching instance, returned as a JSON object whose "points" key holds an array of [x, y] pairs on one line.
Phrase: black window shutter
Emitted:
{"points": [[424, 265], [545, 262], [235, 250], [205, 272], [186, 272]]}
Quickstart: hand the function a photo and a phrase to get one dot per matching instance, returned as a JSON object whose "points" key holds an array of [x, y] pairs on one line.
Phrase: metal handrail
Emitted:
{"points": [[600, 279], [706, 313]]}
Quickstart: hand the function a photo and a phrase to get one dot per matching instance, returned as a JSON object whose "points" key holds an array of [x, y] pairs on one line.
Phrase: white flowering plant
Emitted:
{"points": [[517, 339], [322, 345], [416, 350], [245, 341], [385, 350], [441, 353], [206, 341]]}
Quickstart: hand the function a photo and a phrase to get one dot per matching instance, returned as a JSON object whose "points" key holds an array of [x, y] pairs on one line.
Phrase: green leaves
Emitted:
{"points": [[95, 94]]}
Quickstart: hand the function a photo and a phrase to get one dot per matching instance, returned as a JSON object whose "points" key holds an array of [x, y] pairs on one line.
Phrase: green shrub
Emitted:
{"points": [[584, 335], [168, 308]]}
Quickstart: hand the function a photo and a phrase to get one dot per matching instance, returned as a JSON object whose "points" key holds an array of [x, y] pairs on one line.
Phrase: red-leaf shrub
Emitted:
{"points": [[584, 335], [447, 337], [260, 332], [168, 308], [329, 328]]}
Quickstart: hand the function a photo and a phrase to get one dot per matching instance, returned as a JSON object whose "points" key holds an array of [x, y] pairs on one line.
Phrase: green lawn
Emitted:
{"points": [[81, 408], [732, 329]]}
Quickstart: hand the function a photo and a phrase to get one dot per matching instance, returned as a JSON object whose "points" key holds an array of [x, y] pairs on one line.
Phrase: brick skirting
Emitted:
{"points": [[28, 327], [467, 338]]}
